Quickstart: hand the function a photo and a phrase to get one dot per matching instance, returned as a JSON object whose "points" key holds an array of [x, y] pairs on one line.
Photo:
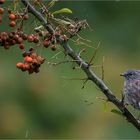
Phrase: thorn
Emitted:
{"points": [[73, 78], [81, 51], [103, 68], [103, 99], [84, 83]]}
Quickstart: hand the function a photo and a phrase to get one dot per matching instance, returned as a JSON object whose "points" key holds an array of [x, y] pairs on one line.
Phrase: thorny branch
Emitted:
{"points": [[84, 66]]}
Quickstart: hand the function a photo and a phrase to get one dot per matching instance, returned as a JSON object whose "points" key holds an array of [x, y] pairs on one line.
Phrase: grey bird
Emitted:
{"points": [[131, 92]]}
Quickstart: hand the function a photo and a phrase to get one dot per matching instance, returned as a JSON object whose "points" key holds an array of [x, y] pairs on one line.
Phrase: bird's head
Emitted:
{"points": [[131, 74]]}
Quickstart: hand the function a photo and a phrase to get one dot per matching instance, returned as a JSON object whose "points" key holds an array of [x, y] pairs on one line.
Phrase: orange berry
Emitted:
{"points": [[12, 23], [12, 16], [28, 59], [19, 65], [33, 55], [26, 66], [1, 10]]}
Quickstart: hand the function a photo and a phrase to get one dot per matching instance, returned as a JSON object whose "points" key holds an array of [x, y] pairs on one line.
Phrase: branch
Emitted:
{"points": [[85, 67]]}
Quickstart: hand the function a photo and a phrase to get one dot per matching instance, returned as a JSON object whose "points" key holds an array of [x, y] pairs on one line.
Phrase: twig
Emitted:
{"points": [[94, 54], [61, 62], [85, 67], [103, 68]]}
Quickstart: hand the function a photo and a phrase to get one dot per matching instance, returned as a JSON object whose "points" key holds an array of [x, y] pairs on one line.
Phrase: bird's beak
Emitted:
{"points": [[122, 74]]}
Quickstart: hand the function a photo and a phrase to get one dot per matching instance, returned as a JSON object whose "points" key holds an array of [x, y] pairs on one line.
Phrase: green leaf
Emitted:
{"points": [[116, 112], [63, 10]]}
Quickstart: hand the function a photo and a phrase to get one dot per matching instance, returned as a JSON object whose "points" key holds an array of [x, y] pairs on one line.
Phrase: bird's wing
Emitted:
{"points": [[132, 90]]}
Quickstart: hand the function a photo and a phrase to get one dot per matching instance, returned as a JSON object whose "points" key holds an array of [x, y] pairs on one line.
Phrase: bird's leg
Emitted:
{"points": [[122, 101]]}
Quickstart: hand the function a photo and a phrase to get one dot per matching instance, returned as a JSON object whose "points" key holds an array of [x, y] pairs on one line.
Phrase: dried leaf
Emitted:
{"points": [[62, 22]]}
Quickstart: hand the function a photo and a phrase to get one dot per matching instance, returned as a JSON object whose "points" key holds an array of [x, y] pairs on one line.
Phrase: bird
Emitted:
{"points": [[131, 92]]}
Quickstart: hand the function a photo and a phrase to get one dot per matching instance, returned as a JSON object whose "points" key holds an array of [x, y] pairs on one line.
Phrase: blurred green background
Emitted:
{"points": [[46, 105]]}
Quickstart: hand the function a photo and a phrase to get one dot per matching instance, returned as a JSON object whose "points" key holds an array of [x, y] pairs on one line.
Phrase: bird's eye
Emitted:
{"points": [[130, 74]]}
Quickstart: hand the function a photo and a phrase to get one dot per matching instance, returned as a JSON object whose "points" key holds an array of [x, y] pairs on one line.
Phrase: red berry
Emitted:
{"points": [[4, 36], [24, 36], [13, 41], [30, 38], [19, 40], [33, 55], [19, 65], [7, 46], [46, 43], [21, 46], [1, 10], [36, 39], [2, 1], [27, 66], [12, 16], [28, 59], [12, 23]]}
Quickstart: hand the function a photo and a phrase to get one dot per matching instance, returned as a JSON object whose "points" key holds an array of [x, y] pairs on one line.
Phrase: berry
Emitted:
{"points": [[7, 46], [12, 16], [26, 66], [46, 43], [12, 23], [2, 1], [28, 59], [4, 36], [24, 36], [21, 46], [19, 65], [19, 40], [36, 39], [1, 10], [33, 55], [25, 17], [30, 38]]}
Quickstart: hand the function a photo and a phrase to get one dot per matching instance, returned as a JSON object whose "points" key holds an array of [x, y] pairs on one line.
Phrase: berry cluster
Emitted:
{"points": [[50, 42], [31, 63], [13, 38], [13, 16]]}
